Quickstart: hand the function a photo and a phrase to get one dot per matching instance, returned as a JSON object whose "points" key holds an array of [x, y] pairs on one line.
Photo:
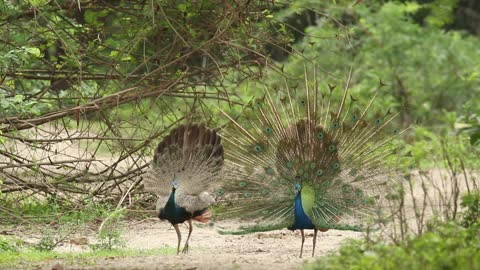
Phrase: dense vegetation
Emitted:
{"points": [[444, 246], [110, 79]]}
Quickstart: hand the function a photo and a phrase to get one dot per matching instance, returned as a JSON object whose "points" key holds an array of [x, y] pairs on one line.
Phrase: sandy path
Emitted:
{"points": [[210, 250]]}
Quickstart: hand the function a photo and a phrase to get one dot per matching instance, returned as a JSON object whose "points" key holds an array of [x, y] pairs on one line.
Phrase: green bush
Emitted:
{"points": [[9, 244], [109, 234], [449, 246], [471, 216]]}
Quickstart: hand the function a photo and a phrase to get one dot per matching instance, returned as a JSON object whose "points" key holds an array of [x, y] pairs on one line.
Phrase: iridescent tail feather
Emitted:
{"points": [[342, 155]]}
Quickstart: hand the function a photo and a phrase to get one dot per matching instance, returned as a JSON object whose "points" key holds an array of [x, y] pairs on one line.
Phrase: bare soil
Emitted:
{"points": [[208, 249]]}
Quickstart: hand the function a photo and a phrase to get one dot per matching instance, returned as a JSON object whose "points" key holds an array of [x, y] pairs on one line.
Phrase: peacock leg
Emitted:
{"points": [[314, 241], [303, 241], [179, 235], [190, 229]]}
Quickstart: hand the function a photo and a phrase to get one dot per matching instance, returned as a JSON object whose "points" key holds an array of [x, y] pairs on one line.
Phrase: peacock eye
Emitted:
{"points": [[220, 192], [346, 188], [269, 170], [332, 148], [350, 202], [336, 166]]}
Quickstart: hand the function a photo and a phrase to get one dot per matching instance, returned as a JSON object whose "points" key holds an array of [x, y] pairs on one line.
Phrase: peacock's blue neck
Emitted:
{"points": [[170, 206], [173, 212], [302, 221]]}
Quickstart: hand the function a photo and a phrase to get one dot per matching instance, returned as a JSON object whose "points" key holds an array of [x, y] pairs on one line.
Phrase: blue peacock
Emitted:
{"points": [[298, 161], [184, 173]]}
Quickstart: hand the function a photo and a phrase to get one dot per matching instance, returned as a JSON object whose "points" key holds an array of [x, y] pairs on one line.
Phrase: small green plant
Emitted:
{"points": [[9, 244], [48, 242], [51, 238], [50, 210], [109, 234], [471, 215]]}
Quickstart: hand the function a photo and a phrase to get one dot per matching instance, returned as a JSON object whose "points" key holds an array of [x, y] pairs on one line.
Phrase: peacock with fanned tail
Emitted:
{"points": [[294, 162], [185, 170]]}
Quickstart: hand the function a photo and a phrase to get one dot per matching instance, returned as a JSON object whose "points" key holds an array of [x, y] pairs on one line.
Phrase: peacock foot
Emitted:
{"points": [[185, 249]]}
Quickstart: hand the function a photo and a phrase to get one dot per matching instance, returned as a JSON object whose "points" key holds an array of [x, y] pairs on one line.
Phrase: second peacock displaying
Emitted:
{"points": [[298, 160]]}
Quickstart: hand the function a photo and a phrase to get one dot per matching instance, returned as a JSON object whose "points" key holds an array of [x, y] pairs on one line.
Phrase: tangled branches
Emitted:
{"points": [[87, 86]]}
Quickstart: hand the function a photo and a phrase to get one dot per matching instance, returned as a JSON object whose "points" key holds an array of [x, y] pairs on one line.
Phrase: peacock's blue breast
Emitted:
{"points": [[302, 221]]}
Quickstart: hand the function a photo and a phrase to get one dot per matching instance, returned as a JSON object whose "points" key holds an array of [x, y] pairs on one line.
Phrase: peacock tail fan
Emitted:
{"points": [[340, 158], [192, 154]]}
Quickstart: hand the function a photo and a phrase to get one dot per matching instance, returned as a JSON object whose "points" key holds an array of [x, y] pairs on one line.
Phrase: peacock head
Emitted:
{"points": [[175, 183], [297, 188]]}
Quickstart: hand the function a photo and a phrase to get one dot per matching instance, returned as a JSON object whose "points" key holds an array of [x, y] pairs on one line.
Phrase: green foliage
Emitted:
{"points": [[448, 246], [51, 51], [471, 216], [11, 259], [48, 242], [428, 72], [52, 237], [469, 122], [52, 210], [9, 244], [109, 234], [441, 12], [430, 148]]}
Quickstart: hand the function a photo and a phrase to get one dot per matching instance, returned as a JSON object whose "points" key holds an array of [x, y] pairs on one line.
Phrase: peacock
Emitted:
{"points": [[302, 160], [185, 169]]}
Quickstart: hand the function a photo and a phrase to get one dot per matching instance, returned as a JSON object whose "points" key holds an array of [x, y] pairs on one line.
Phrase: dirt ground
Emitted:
{"points": [[210, 250]]}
